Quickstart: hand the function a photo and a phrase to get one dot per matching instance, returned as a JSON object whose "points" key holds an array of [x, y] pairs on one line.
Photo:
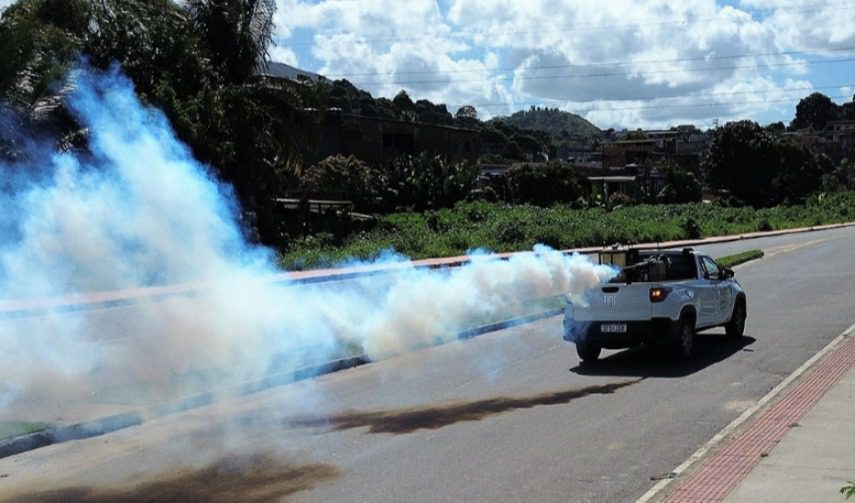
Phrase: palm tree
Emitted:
{"points": [[38, 40], [238, 33]]}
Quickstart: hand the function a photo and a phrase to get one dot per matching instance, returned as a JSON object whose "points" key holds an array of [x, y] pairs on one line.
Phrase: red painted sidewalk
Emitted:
{"points": [[722, 472]]}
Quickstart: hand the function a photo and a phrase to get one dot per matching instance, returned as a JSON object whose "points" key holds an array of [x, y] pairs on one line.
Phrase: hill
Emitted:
{"points": [[558, 123], [283, 71]]}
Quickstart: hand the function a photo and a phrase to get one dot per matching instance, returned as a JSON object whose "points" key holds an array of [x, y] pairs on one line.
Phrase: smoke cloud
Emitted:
{"points": [[136, 210]]}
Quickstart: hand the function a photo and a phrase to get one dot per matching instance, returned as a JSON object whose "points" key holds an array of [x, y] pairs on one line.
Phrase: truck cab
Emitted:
{"points": [[659, 297]]}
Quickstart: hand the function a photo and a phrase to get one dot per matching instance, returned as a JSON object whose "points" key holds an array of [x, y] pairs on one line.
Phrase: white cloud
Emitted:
{"points": [[810, 25], [284, 55], [623, 60]]}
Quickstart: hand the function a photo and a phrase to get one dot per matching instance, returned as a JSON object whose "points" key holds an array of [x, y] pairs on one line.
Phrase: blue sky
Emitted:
{"points": [[621, 63], [618, 63]]}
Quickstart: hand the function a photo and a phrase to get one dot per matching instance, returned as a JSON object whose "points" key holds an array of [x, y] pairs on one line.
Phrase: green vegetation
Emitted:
{"points": [[553, 121], [202, 62], [546, 185], [816, 110], [739, 258], [11, 429], [503, 228], [760, 169], [848, 490], [197, 60]]}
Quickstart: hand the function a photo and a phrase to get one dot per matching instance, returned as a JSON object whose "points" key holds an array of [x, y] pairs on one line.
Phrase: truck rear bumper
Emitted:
{"points": [[656, 330]]}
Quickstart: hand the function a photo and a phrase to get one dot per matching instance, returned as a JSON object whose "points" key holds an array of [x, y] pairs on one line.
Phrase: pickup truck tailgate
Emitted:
{"points": [[616, 302]]}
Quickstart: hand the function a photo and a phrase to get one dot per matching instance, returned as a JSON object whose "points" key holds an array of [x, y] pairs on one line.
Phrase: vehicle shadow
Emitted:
{"points": [[657, 361]]}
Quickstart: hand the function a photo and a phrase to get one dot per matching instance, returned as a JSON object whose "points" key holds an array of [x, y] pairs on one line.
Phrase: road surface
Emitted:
{"points": [[509, 416]]}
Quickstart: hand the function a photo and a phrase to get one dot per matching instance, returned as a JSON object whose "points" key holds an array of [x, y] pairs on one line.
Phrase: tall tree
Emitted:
{"points": [[760, 169], [466, 112], [544, 184], [238, 33], [742, 160], [814, 111], [681, 186], [38, 43]]}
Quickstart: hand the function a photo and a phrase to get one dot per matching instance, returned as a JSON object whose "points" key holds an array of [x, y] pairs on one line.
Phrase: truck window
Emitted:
{"points": [[712, 269], [681, 267]]}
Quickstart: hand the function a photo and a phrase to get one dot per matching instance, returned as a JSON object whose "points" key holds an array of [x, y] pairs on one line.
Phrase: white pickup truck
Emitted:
{"points": [[662, 297]]}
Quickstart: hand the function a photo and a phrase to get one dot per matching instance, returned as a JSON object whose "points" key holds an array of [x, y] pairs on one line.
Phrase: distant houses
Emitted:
{"points": [[837, 140], [622, 162]]}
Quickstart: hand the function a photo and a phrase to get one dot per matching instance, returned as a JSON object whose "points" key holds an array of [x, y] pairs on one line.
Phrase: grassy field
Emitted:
{"points": [[501, 228]]}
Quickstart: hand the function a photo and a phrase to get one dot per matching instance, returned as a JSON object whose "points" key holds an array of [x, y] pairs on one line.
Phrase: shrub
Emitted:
{"points": [[692, 229], [502, 228]]}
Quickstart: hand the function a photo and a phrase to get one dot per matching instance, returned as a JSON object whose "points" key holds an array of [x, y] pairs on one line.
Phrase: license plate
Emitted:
{"points": [[613, 328]]}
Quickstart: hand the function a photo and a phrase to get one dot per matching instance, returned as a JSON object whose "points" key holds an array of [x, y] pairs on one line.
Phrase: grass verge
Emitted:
{"points": [[739, 258], [11, 429]]}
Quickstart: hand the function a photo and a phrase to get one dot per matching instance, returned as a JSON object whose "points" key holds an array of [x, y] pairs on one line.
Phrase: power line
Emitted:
{"points": [[601, 63], [679, 106], [604, 74], [699, 105], [678, 96], [818, 7]]}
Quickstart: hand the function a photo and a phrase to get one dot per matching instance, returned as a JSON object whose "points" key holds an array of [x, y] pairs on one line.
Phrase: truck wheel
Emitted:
{"points": [[587, 351], [736, 326], [685, 338]]}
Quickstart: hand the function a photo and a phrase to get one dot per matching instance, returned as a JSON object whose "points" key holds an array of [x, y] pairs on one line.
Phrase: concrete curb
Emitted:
{"points": [[50, 436], [109, 424]]}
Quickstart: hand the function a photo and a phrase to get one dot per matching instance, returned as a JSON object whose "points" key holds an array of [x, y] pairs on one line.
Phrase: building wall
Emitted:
{"points": [[376, 140], [621, 153]]}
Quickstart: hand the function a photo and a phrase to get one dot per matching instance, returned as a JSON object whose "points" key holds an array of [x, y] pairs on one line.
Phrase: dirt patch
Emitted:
{"points": [[253, 479], [431, 418]]}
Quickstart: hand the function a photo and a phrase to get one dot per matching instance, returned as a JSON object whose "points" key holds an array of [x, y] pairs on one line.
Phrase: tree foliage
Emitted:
{"points": [[340, 176], [552, 121], [760, 169], [237, 34], [517, 144], [466, 112], [841, 178], [153, 42], [38, 42], [634, 135], [427, 182], [196, 60], [815, 111], [544, 184], [681, 186]]}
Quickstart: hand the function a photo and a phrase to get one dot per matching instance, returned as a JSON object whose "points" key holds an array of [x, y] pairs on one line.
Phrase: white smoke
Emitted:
{"points": [[137, 210]]}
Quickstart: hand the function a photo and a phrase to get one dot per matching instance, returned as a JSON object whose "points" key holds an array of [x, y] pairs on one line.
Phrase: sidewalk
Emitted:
{"points": [[800, 447], [815, 459]]}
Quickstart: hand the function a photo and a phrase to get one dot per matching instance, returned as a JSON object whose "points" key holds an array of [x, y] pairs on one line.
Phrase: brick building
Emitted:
{"points": [[379, 139]]}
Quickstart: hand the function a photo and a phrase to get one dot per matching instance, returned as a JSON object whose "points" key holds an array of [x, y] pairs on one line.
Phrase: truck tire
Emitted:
{"points": [[587, 351], [736, 326], [685, 343]]}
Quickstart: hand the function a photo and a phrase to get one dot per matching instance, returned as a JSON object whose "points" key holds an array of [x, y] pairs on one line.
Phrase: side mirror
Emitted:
{"points": [[727, 273]]}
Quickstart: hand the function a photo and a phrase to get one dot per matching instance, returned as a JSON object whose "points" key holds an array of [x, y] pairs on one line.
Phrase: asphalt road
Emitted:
{"points": [[509, 416]]}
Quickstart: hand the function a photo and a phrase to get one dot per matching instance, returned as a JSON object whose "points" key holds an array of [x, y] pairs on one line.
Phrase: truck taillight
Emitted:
{"points": [[658, 293]]}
